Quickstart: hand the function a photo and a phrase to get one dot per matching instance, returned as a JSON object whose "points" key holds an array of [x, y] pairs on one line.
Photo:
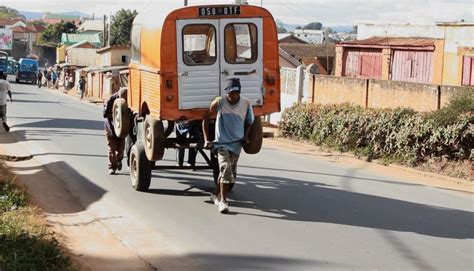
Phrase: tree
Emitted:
{"points": [[53, 33], [121, 27], [281, 27], [9, 13], [314, 26], [354, 30]]}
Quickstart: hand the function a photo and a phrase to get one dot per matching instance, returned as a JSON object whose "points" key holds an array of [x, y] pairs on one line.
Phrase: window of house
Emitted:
{"points": [[241, 43], [199, 44], [124, 59], [135, 39]]}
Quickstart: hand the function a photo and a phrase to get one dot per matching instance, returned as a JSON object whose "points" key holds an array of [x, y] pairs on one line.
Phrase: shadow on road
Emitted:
{"points": [[308, 201], [56, 193], [298, 200], [212, 261]]}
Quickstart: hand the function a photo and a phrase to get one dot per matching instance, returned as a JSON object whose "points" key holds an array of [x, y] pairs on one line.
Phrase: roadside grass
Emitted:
{"points": [[25, 241]]}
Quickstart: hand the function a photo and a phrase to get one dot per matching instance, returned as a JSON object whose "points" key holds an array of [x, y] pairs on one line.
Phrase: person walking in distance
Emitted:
{"points": [[234, 119], [82, 86], [39, 79], [5, 89], [116, 145]]}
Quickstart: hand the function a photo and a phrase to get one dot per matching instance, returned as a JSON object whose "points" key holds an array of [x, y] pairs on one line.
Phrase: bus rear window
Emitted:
{"points": [[241, 43], [199, 44]]}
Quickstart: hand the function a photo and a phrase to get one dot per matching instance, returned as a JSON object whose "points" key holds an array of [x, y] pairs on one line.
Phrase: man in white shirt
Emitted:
{"points": [[4, 90]]}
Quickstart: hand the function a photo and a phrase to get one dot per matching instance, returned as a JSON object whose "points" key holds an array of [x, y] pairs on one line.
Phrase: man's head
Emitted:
{"points": [[232, 90], [2, 75], [122, 93]]}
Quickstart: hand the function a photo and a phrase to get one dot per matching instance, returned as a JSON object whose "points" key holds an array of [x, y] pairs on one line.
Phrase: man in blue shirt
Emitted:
{"points": [[233, 121]]}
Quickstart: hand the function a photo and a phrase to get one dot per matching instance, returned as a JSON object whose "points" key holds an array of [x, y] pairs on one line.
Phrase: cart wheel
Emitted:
{"points": [[121, 118], [256, 137], [140, 168], [154, 140]]}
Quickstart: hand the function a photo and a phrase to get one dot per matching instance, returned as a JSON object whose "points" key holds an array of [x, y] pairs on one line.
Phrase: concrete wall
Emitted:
{"points": [[291, 90], [365, 31], [114, 57], [392, 94], [326, 89], [338, 90], [81, 56]]}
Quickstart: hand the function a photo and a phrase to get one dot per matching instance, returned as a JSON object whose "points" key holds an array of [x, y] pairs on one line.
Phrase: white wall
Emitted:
{"points": [[365, 31]]}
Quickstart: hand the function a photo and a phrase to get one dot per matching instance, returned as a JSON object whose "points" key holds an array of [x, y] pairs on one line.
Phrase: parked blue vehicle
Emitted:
{"points": [[3, 61], [27, 70]]}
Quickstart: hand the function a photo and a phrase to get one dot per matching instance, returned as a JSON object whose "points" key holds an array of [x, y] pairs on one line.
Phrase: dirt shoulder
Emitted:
{"points": [[91, 243], [409, 174]]}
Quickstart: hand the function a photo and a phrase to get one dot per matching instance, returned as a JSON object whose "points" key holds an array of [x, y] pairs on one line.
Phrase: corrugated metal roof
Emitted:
{"points": [[70, 39], [92, 25], [391, 42]]}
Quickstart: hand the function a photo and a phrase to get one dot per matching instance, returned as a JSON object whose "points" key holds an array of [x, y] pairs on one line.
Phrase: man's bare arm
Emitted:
{"points": [[212, 111]]}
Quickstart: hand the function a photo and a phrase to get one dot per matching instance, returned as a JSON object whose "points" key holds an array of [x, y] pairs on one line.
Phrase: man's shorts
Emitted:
{"points": [[3, 113], [227, 165]]}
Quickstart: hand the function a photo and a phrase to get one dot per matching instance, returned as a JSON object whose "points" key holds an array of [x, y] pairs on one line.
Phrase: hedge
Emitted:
{"points": [[395, 134]]}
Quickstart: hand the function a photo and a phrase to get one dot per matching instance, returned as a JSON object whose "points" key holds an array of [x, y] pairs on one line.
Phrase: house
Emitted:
{"points": [[51, 18], [417, 60], [31, 33], [71, 39], [458, 49], [307, 54], [91, 27], [82, 54], [290, 38], [458, 61], [113, 56], [10, 23], [310, 36]]}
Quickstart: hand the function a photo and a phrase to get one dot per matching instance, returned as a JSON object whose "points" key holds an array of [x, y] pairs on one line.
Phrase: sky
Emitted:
{"points": [[301, 12]]}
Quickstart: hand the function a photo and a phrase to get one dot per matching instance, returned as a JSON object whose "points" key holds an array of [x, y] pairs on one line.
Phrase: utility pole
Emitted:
{"points": [[104, 36], [110, 23], [261, 3], [185, 3]]}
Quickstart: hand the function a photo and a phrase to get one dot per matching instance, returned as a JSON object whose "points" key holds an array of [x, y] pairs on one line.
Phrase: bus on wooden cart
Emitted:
{"points": [[180, 64]]}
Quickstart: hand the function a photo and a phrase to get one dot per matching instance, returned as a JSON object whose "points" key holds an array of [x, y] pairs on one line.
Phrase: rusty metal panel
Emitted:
{"points": [[363, 63], [468, 71], [412, 66]]}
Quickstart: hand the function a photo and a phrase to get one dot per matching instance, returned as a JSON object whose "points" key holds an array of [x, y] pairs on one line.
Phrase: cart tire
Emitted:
{"points": [[140, 169], [154, 141], [121, 118], [256, 137]]}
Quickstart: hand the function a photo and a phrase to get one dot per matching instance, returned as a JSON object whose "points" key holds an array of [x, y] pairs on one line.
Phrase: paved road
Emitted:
{"points": [[288, 211]]}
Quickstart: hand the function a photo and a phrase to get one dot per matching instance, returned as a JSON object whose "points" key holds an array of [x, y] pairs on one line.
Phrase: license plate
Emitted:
{"points": [[219, 11]]}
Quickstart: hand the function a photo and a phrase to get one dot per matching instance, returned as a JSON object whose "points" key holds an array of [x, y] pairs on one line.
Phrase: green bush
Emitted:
{"points": [[398, 134], [462, 102]]}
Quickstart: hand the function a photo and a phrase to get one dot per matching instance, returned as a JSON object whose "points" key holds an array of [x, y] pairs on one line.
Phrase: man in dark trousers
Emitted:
{"points": [[39, 79], [115, 144]]}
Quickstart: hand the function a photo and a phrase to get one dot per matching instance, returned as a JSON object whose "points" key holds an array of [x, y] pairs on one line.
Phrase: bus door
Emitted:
{"points": [[242, 55], [198, 63], [210, 51]]}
